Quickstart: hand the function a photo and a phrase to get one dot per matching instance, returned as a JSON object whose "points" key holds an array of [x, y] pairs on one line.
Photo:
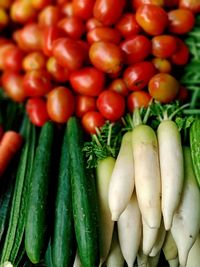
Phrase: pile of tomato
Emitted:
{"points": [[96, 59]]}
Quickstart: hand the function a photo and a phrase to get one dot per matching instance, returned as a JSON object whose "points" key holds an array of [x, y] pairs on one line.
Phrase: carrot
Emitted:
{"points": [[10, 144]]}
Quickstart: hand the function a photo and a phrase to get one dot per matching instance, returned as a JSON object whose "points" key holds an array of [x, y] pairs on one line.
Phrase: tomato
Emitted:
{"points": [[87, 81], [162, 64], [37, 83], [73, 26], [108, 11], [181, 21], [13, 58], [127, 25], [136, 48], [22, 12], [106, 56], [183, 94], [118, 85], [4, 47], [34, 61], [163, 46], [138, 99], [49, 16], [83, 8], [138, 75], [36, 108], [40, 4], [163, 87], [182, 54], [193, 5], [68, 9], [4, 18], [92, 23], [59, 74], [60, 104], [137, 3], [111, 105], [83, 104], [106, 34], [92, 120], [152, 19], [69, 53]]}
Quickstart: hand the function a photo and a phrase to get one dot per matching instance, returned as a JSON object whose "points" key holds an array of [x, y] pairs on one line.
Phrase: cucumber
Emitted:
{"points": [[62, 240], [84, 202], [37, 219]]}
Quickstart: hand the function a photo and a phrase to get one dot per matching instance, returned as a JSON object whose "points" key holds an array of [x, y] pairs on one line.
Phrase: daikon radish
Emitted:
{"points": [[194, 254], [159, 240], [149, 236], [169, 247]]}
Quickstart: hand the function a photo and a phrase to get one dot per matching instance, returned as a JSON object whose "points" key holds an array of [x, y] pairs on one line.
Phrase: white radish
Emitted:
{"points": [[129, 231], [103, 174], [194, 254], [149, 236], [186, 220], [169, 247], [159, 241], [122, 179], [77, 262], [171, 167]]}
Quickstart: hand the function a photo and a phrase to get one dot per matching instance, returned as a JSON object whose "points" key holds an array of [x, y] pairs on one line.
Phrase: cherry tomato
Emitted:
{"points": [[73, 26], [182, 54], [87, 81], [4, 47], [127, 25], [60, 104], [138, 75], [37, 83], [36, 108], [136, 48], [111, 105], [34, 61], [83, 8], [138, 99], [193, 5], [162, 64], [92, 120], [137, 3], [106, 34], [181, 21], [118, 85], [106, 56], [13, 58], [59, 74], [22, 12], [92, 23], [152, 19], [83, 104], [40, 4], [68, 9], [163, 87], [49, 16], [163, 46], [108, 11]]}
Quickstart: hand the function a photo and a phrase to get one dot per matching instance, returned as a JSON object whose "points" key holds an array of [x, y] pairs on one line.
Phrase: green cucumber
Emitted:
{"points": [[84, 202], [37, 219], [62, 240]]}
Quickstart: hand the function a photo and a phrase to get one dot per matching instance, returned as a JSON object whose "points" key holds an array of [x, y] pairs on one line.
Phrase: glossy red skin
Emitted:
{"points": [[22, 12], [34, 61], [69, 53], [162, 64], [87, 81], [36, 108], [108, 11], [40, 4], [59, 74], [73, 26], [118, 85], [136, 48], [138, 99], [152, 19], [92, 23], [60, 104], [67, 9], [83, 8], [84, 104], [92, 120], [127, 25], [164, 45], [138, 75], [137, 3], [181, 21], [4, 47], [193, 5], [106, 34], [37, 83], [49, 16], [106, 56], [13, 58], [111, 105], [182, 55]]}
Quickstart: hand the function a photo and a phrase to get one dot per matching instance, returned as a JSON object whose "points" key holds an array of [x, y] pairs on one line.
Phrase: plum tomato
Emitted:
{"points": [[84, 104], [163, 46], [163, 87], [34, 61], [40, 4], [60, 104], [49, 16], [13, 58], [182, 54], [118, 85], [152, 19], [106, 56], [127, 25], [91, 121], [111, 105], [59, 73], [36, 109], [138, 75], [193, 5], [92, 23], [162, 64], [87, 81], [4, 47], [105, 33], [138, 99], [137, 3], [73, 26], [136, 48], [83, 8], [22, 12]]}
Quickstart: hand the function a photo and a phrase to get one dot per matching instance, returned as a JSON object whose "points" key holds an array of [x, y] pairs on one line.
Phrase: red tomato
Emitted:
{"points": [[111, 105], [68, 9], [40, 4], [36, 108], [84, 104], [60, 104], [4, 47], [127, 25], [22, 12], [118, 85], [13, 58], [37, 83], [108, 11], [163, 87], [83, 8], [181, 21], [34, 61], [92, 23], [87, 81], [92, 120], [69, 53], [106, 34], [162, 64], [138, 99], [182, 54], [152, 19], [49, 16], [73, 26], [136, 48], [59, 74], [106, 56], [163, 46], [137, 3], [138, 75], [193, 5]]}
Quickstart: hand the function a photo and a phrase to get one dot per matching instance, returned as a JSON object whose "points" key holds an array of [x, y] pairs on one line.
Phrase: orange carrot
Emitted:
{"points": [[10, 144]]}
